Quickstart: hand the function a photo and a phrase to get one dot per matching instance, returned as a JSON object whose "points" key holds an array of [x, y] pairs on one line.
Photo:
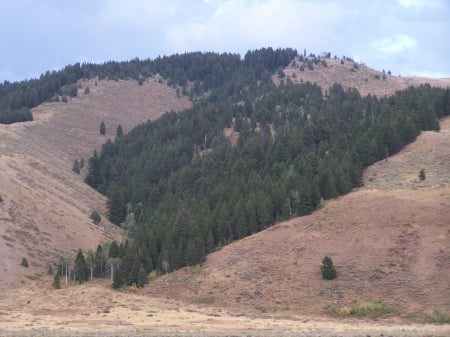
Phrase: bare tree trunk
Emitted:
{"points": [[112, 272], [67, 273]]}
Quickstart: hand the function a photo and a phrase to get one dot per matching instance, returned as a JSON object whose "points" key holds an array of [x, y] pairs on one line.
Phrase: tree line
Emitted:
{"points": [[204, 70], [181, 189]]}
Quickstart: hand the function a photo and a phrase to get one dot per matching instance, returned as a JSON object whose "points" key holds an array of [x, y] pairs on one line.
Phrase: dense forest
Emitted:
{"points": [[205, 70], [181, 188]]}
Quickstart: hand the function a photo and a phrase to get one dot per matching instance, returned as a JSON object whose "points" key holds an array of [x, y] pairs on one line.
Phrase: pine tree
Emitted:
{"points": [[327, 269], [422, 175], [76, 166], [102, 128], [141, 277], [119, 131], [81, 274], [56, 281]]}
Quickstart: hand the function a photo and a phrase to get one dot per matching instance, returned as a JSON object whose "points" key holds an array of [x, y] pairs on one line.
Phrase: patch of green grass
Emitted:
{"points": [[373, 308]]}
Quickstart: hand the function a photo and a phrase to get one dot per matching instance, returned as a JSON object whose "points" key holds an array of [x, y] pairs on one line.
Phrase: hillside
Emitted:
{"points": [[353, 75], [389, 240], [46, 207]]}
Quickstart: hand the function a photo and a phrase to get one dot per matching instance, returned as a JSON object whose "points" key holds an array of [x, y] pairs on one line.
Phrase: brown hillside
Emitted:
{"points": [[352, 74], [389, 240], [46, 207]]}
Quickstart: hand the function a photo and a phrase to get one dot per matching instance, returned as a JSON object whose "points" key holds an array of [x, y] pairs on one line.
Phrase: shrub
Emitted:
{"points": [[96, 218], [437, 317], [24, 263], [327, 269], [1, 199], [373, 308]]}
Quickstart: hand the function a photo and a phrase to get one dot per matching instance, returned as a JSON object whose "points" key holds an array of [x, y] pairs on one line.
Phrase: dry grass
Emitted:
{"points": [[46, 207], [366, 80], [389, 241]]}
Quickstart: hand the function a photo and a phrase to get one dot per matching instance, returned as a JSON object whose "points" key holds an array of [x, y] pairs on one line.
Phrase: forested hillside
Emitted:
{"points": [[181, 188], [205, 70]]}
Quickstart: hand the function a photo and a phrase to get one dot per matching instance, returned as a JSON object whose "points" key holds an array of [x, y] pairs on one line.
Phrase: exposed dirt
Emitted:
{"points": [[363, 78], [389, 240], [46, 207]]}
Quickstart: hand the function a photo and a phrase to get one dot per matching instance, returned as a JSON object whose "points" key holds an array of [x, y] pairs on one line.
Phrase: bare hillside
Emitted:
{"points": [[352, 74], [45, 209], [390, 241]]}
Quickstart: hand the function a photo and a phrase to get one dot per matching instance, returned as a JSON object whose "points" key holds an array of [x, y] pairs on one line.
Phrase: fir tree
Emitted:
{"points": [[119, 131], [81, 274], [422, 175], [141, 277], [102, 128], [56, 281], [327, 269]]}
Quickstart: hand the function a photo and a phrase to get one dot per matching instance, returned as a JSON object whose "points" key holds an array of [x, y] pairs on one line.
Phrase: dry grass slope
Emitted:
{"points": [[389, 240], [46, 207], [366, 80]]}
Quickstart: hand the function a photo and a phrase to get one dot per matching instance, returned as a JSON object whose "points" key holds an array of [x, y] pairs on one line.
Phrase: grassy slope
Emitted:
{"points": [[46, 207]]}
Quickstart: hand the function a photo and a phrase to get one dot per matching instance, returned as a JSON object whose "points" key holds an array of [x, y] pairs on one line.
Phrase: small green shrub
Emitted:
{"points": [[373, 308], [96, 218], [24, 263]]}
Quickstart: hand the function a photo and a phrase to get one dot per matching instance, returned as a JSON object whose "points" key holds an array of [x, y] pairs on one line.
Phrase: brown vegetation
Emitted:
{"points": [[352, 74], [46, 209], [388, 240]]}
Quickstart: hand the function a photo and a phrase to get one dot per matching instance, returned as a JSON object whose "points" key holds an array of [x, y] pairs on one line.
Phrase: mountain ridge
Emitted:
{"points": [[42, 196]]}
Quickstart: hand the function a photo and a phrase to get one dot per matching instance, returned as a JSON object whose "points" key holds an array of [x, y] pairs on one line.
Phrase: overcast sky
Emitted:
{"points": [[408, 37]]}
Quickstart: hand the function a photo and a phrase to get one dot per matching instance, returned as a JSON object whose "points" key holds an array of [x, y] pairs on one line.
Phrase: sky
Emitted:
{"points": [[407, 37]]}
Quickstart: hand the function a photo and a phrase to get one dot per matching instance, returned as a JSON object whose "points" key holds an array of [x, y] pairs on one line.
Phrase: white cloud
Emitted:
{"points": [[242, 25], [418, 4], [396, 44]]}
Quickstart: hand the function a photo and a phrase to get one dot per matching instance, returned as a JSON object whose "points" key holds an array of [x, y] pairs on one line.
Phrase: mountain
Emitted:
{"points": [[388, 238], [46, 207]]}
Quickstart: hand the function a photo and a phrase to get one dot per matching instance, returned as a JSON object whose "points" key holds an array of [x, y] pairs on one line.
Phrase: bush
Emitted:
{"points": [[1, 199], [372, 308], [437, 317], [24, 263], [96, 218], [327, 269]]}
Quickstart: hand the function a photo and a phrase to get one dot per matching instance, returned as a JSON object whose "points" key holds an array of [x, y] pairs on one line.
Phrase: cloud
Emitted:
{"points": [[396, 44], [418, 4], [242, 25]]}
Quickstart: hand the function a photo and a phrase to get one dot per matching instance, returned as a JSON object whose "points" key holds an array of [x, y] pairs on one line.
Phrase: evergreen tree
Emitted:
{"points": [[141, 277], [119, 131], [24, 263], [422, 175], [327, 269], [76, 166], [56, 281], [102, 128], [80, 267]]}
